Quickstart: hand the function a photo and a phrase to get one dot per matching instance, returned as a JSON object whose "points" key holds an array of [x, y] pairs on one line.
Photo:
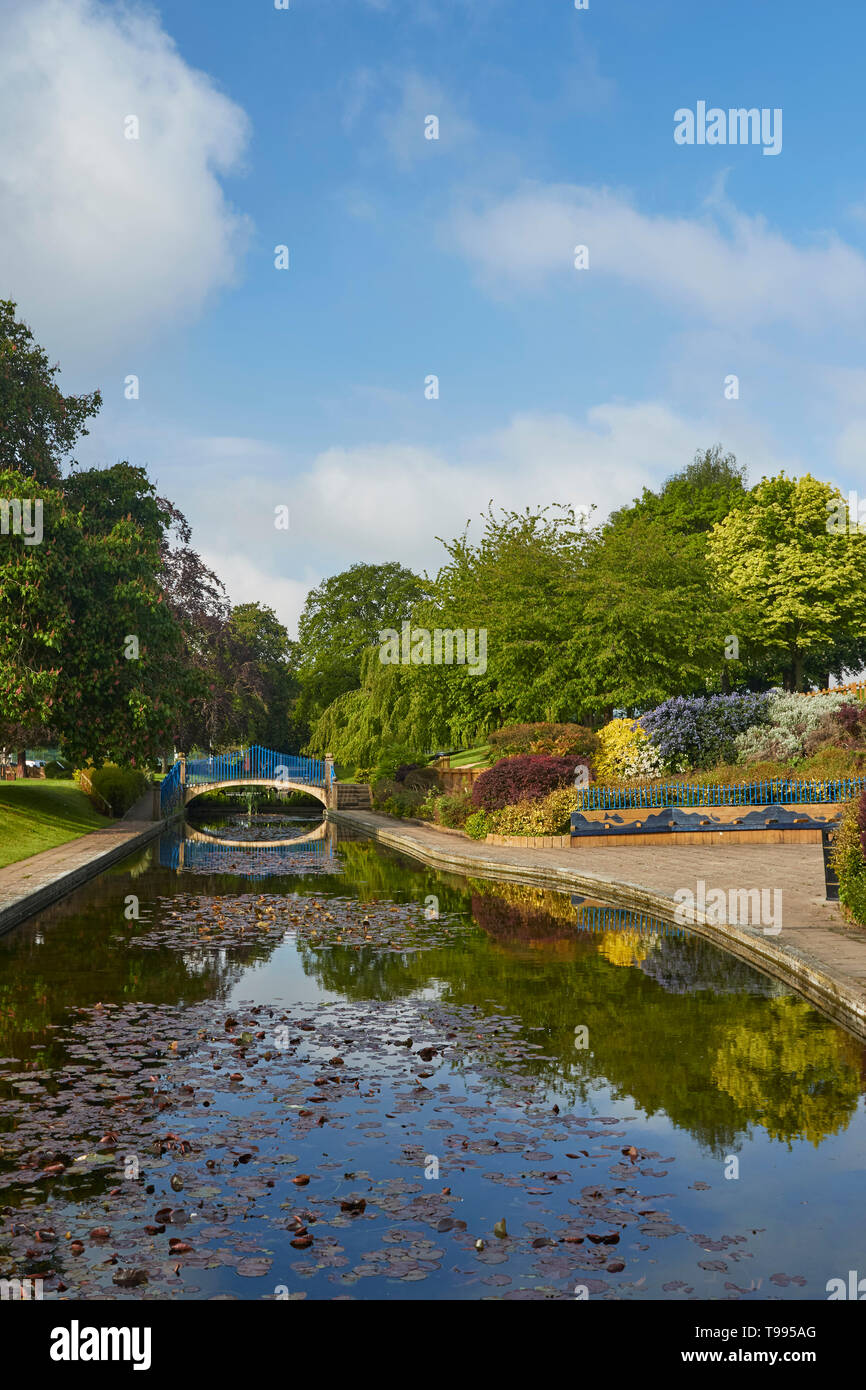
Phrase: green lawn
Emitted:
{"points": [[481, 754], [37, 815]]}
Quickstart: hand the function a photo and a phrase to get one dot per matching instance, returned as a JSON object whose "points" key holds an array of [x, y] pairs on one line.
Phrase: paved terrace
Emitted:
{"points": [[815, 952]]}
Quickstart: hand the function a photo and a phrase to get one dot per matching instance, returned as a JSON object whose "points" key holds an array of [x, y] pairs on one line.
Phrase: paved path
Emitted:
{"points": [[815, 951]]}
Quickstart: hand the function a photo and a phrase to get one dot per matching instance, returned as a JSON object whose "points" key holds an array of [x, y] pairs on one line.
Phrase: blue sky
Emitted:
{"points": [[454, 257]]}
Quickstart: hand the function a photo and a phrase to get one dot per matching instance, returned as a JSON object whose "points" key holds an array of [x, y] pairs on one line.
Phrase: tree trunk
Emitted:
{"points": [[22, 762]]}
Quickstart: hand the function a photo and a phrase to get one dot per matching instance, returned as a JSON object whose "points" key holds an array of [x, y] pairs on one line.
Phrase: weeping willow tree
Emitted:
{"points": [[511, 597], [384, 711]]}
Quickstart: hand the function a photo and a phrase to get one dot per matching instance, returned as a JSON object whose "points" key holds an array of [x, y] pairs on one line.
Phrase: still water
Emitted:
{"points": [[301, 1066]]}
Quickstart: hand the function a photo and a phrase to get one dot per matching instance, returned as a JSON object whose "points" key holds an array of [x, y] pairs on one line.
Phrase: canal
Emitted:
{"points": [[315, 1069]]}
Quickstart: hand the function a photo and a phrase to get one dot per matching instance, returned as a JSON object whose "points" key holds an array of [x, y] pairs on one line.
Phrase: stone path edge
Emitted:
{"points": [[64, 881], [829, 989]]}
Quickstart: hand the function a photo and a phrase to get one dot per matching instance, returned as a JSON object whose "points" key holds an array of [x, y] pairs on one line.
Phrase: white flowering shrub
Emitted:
{"points": [[790, 720], [642, 760]]}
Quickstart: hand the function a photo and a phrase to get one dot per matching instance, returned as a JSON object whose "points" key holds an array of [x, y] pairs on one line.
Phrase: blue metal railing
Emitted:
{"points": [[256, 764], [253, 764], [597, 917], [254, 862], [776, 792], [170, 792]]}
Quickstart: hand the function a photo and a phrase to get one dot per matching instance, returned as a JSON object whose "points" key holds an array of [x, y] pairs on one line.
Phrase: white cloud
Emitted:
{"points": [[730, 267], [102, 237], [248, 582], [378, 502], [391, 501], [404, 126]]}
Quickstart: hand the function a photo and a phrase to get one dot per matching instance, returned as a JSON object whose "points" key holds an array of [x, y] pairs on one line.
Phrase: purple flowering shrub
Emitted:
{"points": [[701, 730], [524, 778]]}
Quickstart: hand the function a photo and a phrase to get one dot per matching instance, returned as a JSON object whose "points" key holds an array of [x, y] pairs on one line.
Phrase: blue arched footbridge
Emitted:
{"points": [[248, 767]]}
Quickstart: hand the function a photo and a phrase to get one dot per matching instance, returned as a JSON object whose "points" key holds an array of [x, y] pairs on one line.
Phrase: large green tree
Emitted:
{"points": [[249, 684], [341, 617], [691, 501], [652, 625], [39, 426], [654, 620], [97, 619], [796, 585], [88, 644], [518, 584]]}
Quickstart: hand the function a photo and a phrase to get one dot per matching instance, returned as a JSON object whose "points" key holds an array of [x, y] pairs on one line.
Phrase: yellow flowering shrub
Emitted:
{"points": [[625, 751], [549, 816]]}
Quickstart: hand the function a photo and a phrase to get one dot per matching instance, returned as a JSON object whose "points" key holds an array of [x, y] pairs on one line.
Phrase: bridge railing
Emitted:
{"points": [[258, 765], [255, 764], [170, 792]]}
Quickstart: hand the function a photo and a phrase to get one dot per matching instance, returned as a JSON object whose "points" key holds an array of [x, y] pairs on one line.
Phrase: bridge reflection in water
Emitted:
{"points": [[204, 852]]}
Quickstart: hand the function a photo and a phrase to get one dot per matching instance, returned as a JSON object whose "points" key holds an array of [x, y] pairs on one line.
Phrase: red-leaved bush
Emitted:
{"points": [[525, 778], [851, 718]]}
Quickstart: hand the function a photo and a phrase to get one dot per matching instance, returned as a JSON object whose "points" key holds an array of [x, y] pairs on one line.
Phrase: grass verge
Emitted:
{"points": [[37, 815]]}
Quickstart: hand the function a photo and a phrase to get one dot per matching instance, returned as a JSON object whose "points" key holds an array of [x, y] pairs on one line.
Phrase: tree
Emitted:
{"points": [[115, 563], [797, 588], [342, 616], [651, 621], [693, 500], [87, 641], [654, 620], [519, 585], [38, 424], [250, 683]]}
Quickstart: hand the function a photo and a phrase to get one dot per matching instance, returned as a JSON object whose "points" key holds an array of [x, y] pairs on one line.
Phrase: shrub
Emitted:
{"points": [[524, 778], [851, 719], [700, 730], [402, 805], [118, 787], [626, 751], [453, 811], [478, 824], [56, 771], [849, 861], [556, 740], [789, 720], [423, 779], [394, 760], [395, 799], [549, 816]]}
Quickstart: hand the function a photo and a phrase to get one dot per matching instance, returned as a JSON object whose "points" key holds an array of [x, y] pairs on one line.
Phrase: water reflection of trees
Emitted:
{"points": [[693, 1032], [675, 1024], [81, 951], [686, 966]]}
